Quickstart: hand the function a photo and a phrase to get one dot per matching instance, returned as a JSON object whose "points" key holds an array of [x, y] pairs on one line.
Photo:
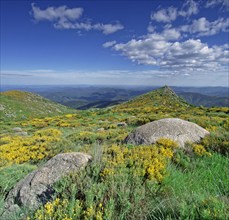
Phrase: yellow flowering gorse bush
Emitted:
{"points": [[18, 149], [58, 209], [145, 161], [200, 150]]}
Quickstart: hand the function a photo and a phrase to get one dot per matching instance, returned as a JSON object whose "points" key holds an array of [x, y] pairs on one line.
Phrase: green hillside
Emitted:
{"points": [[123, 181], [21, 105], [157, 104]]}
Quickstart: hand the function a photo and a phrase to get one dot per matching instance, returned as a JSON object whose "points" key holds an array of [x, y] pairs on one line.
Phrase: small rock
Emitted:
{"points": [[100, 129], [17, 129], [2, 107], [21, 133], [122, 124]]}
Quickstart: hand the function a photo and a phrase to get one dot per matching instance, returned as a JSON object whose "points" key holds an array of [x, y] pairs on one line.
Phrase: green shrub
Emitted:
{"points": [[217, 141]]}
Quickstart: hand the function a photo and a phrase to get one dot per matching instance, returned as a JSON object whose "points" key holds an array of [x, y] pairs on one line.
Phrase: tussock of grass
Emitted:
{"points": [[199, 194], [9, 176]]}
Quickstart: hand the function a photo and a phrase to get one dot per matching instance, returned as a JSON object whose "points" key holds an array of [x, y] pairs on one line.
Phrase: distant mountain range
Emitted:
{"points": [[85, 97], [198, 99]]}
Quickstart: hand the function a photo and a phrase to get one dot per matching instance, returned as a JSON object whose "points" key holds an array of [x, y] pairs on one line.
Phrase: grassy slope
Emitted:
{"points": [[22, 105], [197, 191], [186, 187]]}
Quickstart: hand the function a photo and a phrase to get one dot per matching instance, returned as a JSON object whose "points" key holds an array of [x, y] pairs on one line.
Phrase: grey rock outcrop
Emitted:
{"points": [[175, 129], [36, 188]]}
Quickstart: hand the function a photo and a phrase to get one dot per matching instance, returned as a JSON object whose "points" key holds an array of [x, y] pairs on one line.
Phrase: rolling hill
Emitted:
{"points": [[21, 105]]}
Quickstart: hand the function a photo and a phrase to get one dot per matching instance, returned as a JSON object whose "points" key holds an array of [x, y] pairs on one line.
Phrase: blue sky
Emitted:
{"points": [[179, 43]]}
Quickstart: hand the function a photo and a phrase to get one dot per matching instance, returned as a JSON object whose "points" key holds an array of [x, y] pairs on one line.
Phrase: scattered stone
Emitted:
{"points": [[17, 129], [36, 188], [122, 124], [2, 107], [21, 133], [100, 129], [175, 129], [10, 115]]}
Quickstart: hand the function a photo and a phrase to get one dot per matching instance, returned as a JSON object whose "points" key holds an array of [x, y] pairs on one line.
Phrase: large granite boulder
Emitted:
{"points": [[175, 129], [36, 188]]}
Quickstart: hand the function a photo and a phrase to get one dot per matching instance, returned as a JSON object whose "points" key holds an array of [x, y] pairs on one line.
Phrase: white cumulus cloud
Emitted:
{"points": [[109, 44], [189, 8], [69, 18], [214, 3], [167, 15], [165, 52], [88, 26], [56, 13], [109, 28], [203, 27]]}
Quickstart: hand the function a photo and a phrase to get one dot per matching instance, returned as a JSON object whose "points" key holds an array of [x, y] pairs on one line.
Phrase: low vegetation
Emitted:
{"points": [[18, 149], [19, 105], [157, 181]]}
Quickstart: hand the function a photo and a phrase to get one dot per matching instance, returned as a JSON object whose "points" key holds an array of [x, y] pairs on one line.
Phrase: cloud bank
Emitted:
{"points": [[162, 50], [112, 77]]}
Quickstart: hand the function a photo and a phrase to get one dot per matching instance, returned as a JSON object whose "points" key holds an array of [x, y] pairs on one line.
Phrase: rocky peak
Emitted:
{"points": [[166, 90]]}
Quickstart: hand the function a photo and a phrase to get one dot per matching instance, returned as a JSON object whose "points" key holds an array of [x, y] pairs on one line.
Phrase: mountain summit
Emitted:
{"points": [[164, 97], [167, 90]]}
